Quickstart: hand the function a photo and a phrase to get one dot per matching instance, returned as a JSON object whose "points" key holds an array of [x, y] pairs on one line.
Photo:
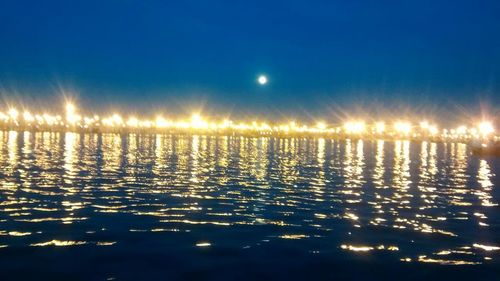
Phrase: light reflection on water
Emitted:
{"points": [[419, 202]]}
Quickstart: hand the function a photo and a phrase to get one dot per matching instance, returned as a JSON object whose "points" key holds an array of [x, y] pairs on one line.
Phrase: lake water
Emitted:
{"points": [[96, 207]]}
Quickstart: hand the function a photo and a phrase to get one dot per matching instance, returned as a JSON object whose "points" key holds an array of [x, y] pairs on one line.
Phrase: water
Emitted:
{"points": [[97, 207]]}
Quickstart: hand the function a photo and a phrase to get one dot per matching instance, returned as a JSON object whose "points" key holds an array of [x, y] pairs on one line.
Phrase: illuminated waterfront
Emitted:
{"points": [[399, 129], [135, 205]]}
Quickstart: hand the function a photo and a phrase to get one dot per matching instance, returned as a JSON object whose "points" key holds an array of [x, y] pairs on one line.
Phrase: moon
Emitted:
{"points": [[262, 80]]}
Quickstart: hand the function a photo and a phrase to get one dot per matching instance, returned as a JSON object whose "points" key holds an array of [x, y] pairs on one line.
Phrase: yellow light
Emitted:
{"points": [[3, 116], [71, 117], [88, 120], [461, 130], [198, 122], [402, 127], [354, 127], [161, 122], [380, 127], [132, 122], [145, 124], [72, 121], [70, 108], [265, 127], [28, 117], [486, 128], [321, 125], [226, 123], [433, 130], [13, 113], [116, 119]]}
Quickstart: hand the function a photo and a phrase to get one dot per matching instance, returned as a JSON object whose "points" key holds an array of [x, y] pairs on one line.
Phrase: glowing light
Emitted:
{"points": [[461, 130], [433, 130], [424, 125], [117, 119], [486, 247], [486, 128], [198, 124], [59, 243], [380, 127], [355, 127], [28, 117], [402, 127], [71, 117], [262, 79], [161, 122], [70, 108], [133, 122], [13, 113], [356, 248], [321, 125]]}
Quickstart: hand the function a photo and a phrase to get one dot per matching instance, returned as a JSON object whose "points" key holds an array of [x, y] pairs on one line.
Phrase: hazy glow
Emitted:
{"points": [[424, 125], [402, 127], [262, 79], [380, 127], [13, 113], [200, 124], [354, 127], [321, 125], [486, 128], [70, 108]]}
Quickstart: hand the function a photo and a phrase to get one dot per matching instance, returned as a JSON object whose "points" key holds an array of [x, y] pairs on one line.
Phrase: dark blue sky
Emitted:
{"points": [[319, 55]]}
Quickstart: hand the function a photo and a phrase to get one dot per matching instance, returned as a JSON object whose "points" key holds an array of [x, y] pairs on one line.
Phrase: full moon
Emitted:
{"points": [[262, 80]]}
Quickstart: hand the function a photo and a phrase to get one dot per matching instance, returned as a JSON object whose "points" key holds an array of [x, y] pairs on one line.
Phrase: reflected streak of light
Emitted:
{"points": [[59, 243], [484, 178], [486, 247], [356, 248]]}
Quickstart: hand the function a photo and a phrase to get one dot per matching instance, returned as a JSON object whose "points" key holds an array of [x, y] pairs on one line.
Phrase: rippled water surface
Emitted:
{"points": [[105, 206]]}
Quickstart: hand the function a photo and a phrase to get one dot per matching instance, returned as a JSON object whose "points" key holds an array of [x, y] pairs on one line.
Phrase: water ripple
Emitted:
{"points": [[419, 202]]}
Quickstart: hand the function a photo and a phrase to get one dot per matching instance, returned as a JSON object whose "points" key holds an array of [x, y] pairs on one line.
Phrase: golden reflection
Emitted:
{"points": [[401, 178], [13, 152], [293, 236], [286, 157], [320, 181], [365, 195], [425, 259], [353, 178], [486, 247], [357, 248], [354, 165], [459, 165], [378, 177], [195, 145], [222, 159], [261, 160], [111, 153], [484, 176], [426, 183], [70, 142], [59, 243]]}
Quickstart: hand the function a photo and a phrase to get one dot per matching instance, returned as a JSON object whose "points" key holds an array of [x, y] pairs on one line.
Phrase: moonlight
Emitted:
{"points": [[262, 80]]}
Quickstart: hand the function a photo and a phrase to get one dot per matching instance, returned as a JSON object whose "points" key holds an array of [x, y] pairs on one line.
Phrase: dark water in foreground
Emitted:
{"points": [[94, 207]]}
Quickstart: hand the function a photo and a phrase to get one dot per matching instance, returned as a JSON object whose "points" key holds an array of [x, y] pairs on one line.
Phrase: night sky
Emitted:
{"points": [[320, 56]]}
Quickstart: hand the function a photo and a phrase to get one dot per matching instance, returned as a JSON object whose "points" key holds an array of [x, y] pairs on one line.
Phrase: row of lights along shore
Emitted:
{"points": [[12, 119]]}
